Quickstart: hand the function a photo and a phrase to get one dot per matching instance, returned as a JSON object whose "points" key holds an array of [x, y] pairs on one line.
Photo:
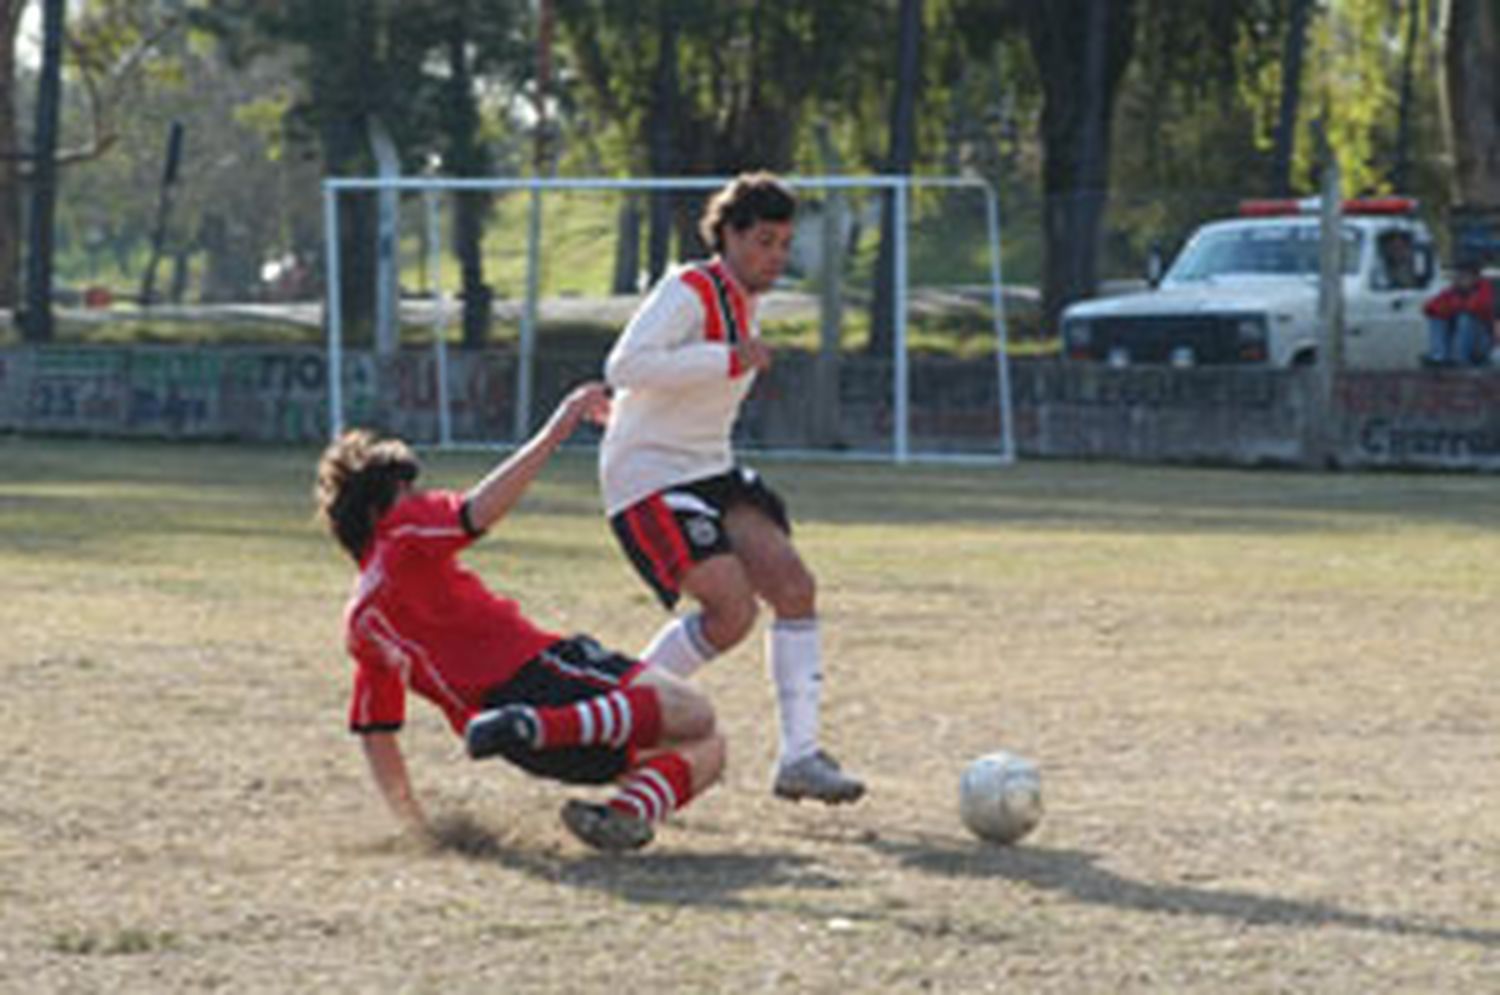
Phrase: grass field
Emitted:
{"points": [[1265, 706]]}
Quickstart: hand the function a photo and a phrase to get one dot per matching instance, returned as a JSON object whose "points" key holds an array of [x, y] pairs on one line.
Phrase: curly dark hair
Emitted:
{"points": [[359, 475], [748, 198]]}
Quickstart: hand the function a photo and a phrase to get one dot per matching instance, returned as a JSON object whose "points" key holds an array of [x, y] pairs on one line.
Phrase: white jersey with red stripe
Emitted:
{"points": [[678, 384]]}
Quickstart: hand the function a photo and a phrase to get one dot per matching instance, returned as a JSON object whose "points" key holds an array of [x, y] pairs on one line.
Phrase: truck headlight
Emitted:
{"points": [[1077, 337], [1250, 333]]}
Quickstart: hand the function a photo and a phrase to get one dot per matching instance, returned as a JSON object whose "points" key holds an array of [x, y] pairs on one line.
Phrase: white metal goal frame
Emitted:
{"points": [[899, 186]]}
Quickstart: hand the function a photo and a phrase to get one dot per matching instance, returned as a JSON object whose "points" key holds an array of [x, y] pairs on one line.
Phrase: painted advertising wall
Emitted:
{"points": [[1442, 419]]}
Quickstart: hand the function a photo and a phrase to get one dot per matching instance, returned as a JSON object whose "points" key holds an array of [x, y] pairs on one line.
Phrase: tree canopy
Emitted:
{"points": [[1107, 126]]}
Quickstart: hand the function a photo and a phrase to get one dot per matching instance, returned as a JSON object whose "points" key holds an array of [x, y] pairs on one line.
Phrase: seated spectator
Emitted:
{"points": [[1460, 320]]}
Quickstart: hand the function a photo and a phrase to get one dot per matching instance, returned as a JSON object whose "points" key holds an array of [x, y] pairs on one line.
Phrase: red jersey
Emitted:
{"points": [[419, 619], [1477, 299]]}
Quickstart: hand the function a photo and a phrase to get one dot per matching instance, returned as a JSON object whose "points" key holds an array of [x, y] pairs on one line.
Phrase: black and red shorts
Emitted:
{"points": [[665, 534], [568, 671]]}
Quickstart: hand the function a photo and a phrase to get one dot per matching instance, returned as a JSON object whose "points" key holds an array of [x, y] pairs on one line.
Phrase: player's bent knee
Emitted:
{"points": [[720, 585], [727, 622], [686, 712]]}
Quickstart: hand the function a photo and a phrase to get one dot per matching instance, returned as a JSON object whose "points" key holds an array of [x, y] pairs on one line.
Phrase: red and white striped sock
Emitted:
{"points": [[628, 717], [655, 789]]}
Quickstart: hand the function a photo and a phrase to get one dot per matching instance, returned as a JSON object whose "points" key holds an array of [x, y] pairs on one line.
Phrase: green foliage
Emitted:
{"points": [[246, 189], [263, 116], [750, 80], [387, 60], [275, 94], [1354, 53], [1194, 119]]}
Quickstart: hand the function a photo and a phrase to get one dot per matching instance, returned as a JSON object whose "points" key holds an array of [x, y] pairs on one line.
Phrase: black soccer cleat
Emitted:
{"points": [[605, 828], [497, 730]]}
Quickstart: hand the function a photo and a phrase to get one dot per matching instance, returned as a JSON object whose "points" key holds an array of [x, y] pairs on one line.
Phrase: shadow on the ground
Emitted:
{"points": [[657, 875], [729, 880], [1078, 875], [721, 879]]}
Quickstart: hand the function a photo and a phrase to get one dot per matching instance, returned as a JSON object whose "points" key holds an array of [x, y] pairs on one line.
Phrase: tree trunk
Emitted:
{"points": [[627, 246], [231, 270], [37, 326], [346, 153], [470, 208], [343, 149], [181, 274], [1473, 82], [1406, 109], [1081, 49], [662, 130], [899, 162], [1291, 98], [10, 163]]}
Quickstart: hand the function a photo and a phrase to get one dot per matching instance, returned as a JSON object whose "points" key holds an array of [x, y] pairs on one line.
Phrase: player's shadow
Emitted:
{"points": [[1077, 874], [715, 878]]}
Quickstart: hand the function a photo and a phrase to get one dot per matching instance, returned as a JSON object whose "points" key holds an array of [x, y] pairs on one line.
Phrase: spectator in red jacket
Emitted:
{"points": [[1460, 320]]}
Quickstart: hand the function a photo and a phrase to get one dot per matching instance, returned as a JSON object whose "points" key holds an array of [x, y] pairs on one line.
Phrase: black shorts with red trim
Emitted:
{"points": [[568, 671], [665, 534]]}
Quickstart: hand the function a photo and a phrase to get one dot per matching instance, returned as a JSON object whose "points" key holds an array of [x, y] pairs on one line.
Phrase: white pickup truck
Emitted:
{"points": [[1245, 291]]}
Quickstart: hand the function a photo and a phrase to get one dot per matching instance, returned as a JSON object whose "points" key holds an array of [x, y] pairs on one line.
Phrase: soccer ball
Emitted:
{"points": [[1000, 797]]}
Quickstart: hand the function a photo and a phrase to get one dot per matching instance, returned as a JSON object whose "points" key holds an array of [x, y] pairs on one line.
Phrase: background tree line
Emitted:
{"points": [[1107, 125]]}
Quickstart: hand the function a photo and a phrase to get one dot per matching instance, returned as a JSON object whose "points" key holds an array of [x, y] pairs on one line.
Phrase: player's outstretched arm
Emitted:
{"points": [[489, 500], [388, 768]]}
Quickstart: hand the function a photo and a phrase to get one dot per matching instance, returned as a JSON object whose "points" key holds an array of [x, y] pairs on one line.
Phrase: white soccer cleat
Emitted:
{"points": [[818, 776]]}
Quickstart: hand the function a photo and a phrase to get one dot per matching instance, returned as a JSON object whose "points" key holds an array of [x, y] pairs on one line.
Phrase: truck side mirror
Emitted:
{"points": [[1156, 265]]}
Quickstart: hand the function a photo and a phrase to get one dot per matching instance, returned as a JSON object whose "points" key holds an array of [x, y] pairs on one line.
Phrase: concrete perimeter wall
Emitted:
{"points": [[1439, 420]]}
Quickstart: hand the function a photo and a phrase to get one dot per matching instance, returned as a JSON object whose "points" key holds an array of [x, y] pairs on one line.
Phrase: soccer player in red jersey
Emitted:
{"points": [[689, 516], [561, 708]]}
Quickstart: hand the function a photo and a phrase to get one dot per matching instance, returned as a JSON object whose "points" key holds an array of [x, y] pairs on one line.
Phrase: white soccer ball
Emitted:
{"points": [[1000, 797]]}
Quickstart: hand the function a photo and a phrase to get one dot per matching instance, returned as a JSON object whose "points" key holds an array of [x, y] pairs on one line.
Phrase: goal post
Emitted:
{"points": [[977, 430]]}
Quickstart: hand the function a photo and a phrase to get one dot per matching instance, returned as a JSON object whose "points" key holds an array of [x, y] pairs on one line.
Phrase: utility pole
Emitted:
{"points": [[163, 208], [1330, 316]]}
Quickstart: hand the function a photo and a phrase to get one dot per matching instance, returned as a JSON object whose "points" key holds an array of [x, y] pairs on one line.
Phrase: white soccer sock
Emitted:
{"points": [[680, 648], [794, 653]]}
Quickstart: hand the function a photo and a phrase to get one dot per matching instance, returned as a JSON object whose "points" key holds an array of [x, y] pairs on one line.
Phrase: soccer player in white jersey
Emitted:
{"points": [[689, 517]]}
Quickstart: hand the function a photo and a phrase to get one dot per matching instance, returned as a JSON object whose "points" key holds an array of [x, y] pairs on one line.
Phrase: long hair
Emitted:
{"points": [[748, 198], [359, 475]]}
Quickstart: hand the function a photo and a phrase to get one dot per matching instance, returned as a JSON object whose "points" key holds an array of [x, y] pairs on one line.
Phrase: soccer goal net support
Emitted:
{"points": [[457, 342]]}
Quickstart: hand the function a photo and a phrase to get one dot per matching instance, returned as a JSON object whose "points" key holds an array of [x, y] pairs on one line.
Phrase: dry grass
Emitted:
{"points": [[1265, 707]]}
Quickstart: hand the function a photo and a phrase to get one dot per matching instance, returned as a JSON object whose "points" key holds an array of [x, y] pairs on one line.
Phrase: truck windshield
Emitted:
{"points": [[1269, 250]]}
